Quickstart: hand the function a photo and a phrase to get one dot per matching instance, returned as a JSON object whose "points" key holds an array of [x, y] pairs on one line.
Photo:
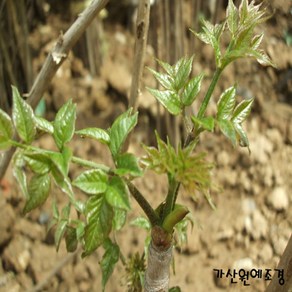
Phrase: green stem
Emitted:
{"points": [[146, 207], [169, 202], [90, 164], [208, 95]]}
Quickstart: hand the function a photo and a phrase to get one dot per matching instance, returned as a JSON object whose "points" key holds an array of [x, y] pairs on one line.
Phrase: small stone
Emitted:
{"points": [[244, 263], [17, 255], [259, 225], [223, 158], [261, 148], [30, 229], [278, 199], [225, 234]]}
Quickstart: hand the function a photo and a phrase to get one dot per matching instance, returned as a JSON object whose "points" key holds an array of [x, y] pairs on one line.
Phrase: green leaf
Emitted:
{"points": [[60, 230], [116, 194], [169, 99], [109, 260], [80, 229], [174, 289], [141, 222], [211, 35], [44, 125], [19, 174], [127, 163], [95, 133], [256, 41], [38, 191], [92, 181], [64, 124], [228, 130], [38, 162], [243, 140], [5, 143], [119, 219], [99, 215], [232, 16], [207, 123], [164, 79], [120, 129], [62, 181], [191, 90], [242, 111], [260, 56], [61, 161], [23, 118], [71, 239], [167, 67], [55, 210], [65, 213], [6, 127], [226, 104], [182, 72]]}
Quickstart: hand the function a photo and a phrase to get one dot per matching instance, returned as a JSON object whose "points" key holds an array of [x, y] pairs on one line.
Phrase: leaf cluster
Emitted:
{"points": [[192, 170], [230, 116], [179, 90], [107, 204], [240, 23]]}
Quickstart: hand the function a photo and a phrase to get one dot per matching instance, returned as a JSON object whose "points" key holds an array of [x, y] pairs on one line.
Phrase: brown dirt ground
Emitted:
{"points": [[252, 222]]}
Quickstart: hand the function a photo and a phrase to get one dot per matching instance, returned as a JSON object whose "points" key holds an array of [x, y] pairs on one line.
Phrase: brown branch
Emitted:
{"points": [[54, 61], [142, 26]]}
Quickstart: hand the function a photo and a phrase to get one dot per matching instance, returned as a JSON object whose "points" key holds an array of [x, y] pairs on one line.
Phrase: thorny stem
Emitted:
{"points": [[146, 207]]}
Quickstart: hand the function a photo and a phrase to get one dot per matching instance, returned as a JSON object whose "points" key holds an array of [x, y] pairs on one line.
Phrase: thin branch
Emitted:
{"points": [[54, 61], [148, 210]]}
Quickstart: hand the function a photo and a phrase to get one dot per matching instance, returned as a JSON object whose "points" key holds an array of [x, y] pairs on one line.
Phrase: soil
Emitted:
{"points": [[252, 222]]}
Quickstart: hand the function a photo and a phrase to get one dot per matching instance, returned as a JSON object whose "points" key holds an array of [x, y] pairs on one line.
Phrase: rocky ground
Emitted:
{"points": [[252, 223]]}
